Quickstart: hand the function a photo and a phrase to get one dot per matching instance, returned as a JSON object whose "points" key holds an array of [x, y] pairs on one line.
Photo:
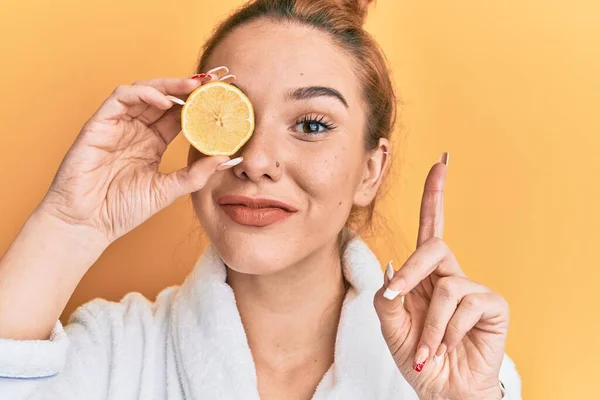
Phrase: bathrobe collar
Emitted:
{"points": [[213, 358]]}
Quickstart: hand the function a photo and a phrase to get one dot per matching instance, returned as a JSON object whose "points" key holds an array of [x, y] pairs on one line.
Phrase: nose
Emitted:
{"points": [[260, 159]]}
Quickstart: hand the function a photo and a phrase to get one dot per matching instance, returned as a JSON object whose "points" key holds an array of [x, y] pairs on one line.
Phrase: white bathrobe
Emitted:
{"points": [[190, 344]]}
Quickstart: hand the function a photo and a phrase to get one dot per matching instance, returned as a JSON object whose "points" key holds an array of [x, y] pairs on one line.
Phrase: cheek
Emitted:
{"points": [[329, 180], [203, 205]]}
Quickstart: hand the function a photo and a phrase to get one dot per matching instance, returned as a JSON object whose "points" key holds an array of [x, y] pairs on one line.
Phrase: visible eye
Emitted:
{"points": [[313, 124], [311, 127]]}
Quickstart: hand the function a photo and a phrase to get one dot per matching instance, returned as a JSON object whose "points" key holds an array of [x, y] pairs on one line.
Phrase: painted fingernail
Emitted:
{"points": [[445, 158], [230, 163], [419, 366], [441, 350], [421, 358], [176, 100], [389, 271], [199, 76], [228, 78], [222, 68], [439, 354], [392, 293]]}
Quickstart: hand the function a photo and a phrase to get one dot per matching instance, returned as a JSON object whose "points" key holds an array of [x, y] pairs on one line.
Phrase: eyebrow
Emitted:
{"points": [[316, 91], [310, 92]]}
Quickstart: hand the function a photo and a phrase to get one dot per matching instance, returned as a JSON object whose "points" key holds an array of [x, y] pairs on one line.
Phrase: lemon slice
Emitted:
{"points": [[217, 119]]}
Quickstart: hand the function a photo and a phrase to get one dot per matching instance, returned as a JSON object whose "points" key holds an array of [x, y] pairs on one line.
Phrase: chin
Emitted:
{"points": [[256, 253]]}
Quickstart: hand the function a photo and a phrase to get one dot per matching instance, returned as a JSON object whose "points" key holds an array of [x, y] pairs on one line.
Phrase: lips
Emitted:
{"points": [[256, 212]]}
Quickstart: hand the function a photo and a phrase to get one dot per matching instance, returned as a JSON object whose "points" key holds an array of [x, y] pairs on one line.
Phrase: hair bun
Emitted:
{"points": [[356, 7]]}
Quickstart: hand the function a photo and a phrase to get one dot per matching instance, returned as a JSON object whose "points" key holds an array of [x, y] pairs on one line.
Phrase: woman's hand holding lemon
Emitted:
{"points": [[109, 180]]}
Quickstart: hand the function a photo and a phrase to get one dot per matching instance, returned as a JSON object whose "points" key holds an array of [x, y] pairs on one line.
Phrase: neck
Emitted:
{"points": [[291, 317]]}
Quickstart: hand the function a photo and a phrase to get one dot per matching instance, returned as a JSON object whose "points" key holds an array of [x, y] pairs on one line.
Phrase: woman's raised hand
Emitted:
{"points": [[446, 333]]}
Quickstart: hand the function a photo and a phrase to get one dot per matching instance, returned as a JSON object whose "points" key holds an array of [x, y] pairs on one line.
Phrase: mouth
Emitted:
{"points": [[255, 212]]}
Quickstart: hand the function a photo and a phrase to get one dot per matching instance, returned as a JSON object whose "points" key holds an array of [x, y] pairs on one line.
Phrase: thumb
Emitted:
{"points": [[191, 178], [395, 319]]}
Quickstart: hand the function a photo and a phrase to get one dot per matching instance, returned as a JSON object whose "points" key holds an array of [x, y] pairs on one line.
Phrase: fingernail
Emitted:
{"points": [[217, 69], [199, 76], [421, 358], [387, 153], [392, 293], [439, 354], [389, 271], [230, 163], [441, 350], [227, 77], [419, 366], [445, 158], [176, 100]]}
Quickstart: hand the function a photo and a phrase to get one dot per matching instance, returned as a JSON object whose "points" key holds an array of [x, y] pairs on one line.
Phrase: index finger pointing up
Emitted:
{"points": [[431, 221]]}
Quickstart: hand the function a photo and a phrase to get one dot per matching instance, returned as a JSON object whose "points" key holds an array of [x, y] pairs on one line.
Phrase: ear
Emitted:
{"points": [[378, 161]]}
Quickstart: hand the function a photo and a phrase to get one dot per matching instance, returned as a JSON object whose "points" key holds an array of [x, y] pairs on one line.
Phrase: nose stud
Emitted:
{"points": [[277, 164]]}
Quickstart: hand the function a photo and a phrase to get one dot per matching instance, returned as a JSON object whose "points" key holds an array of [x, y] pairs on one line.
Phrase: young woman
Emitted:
{"points": [[287, 302]]}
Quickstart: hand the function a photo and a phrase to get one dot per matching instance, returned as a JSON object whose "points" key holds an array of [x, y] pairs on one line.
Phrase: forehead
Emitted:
{"points": [[279, 56]]}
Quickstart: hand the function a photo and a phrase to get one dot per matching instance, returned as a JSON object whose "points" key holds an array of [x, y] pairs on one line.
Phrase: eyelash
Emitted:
{"points": [[318, 119]]}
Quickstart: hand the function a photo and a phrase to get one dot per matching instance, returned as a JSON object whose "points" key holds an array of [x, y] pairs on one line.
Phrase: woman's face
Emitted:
{"points": [[307, 150]]}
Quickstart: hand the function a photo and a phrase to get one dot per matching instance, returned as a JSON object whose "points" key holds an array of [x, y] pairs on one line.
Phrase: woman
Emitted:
{"points": [[281, 304]]}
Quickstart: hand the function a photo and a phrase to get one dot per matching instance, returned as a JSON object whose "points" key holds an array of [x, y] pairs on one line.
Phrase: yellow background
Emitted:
{"points": [[511, 88]]}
